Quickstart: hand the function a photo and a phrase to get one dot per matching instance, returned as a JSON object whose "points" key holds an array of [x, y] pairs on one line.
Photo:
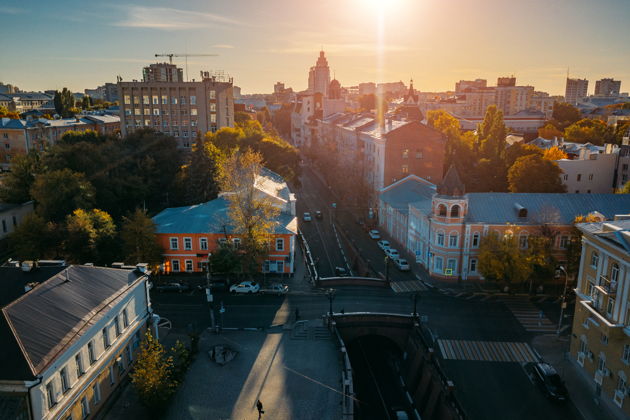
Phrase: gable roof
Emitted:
{"points": [[410, 189], [37, 327]]}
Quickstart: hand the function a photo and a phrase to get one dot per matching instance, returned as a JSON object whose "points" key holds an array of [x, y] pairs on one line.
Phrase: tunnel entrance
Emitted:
{"points": [[376, 362]]}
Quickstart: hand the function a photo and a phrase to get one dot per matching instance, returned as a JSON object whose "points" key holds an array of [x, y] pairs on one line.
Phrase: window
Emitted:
{"points": [[156, 100], [266, 266], [85, 408], [91, 352], [50, 393], [96, 393], [78, 360], [610, 306], [565, 177], [112, 375], [105, 338], [203, 243], [213, 107], [590, 177], [129, 354], [127, 100], [65, 384], [4, 226], [451, 266], [174, 243], [442, 210], [117, 325], [213, 94], [452, 240], [145, 100], [125, 318], [614, 273], [418, 154], [193, 100], [187, 244], [621, 384], [164, 100], [236, 242], [280, 244], [475, 240], [193, 112], [213, 118], [279, 267], [189, 265], [440, 239], [579, 177], [156, 111], [473, 265], [173, 100], [625, 354], [405, 154], [594, 259], [455, 211], [182, 100], [564, 242], [438, 264], [405, 169], [175, 265], [522, 241]]}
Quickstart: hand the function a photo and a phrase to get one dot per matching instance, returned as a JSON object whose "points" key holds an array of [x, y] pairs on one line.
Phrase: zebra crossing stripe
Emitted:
{"points": [[489, 351]]}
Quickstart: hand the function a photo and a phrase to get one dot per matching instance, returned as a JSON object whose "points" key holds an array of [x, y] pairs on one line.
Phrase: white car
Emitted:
{"points": [[275, 289], [402, 264], [392, 253], [307, 217], [375, 234], [245, 287], [384, 245]]}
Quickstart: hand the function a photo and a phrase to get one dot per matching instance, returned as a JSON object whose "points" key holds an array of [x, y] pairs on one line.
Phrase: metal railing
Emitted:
{"points": [[607, 285]]}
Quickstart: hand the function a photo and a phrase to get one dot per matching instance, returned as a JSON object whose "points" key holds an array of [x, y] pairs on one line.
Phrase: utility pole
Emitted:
{"points": [[564, 298], [209, 296], [387, 269]]}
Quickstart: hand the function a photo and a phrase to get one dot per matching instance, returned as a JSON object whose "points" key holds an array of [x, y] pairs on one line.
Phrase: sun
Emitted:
{"points": [[382, 6]]}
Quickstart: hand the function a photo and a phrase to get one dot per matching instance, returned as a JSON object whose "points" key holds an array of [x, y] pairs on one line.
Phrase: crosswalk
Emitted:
{"points": [[407, 286], [530, 317], [487, 351]]}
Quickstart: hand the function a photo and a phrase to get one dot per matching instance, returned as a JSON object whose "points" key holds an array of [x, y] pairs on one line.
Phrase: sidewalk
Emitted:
{"points": [[581, 387]]}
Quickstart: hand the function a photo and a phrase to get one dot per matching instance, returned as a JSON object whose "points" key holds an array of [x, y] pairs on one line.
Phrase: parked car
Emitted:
{"points": [[392, 253], [319, 215], [173, 287], [307, 217], [275, 289], [550, 381], [245, 287], [341, 272], [402, 264], [375, 234], [384, 245]]}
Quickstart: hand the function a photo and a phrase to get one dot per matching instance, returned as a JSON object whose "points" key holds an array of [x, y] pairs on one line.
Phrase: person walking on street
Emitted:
{"points": [[259, 406]]}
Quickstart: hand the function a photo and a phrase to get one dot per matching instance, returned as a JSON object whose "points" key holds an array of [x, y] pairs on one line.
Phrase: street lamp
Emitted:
{"points": [[331, 295], [564, 297], [387, 268]]}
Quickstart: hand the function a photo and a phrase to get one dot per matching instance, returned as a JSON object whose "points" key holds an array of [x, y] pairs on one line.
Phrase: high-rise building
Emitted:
{"points": [[463, 85], [506, 81], [319, 76], [576, 90], [607, 87], [278, 87], [165, 103]]}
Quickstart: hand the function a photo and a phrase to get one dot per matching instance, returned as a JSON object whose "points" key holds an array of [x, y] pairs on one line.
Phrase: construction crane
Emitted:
{"points": [[170, 58]]}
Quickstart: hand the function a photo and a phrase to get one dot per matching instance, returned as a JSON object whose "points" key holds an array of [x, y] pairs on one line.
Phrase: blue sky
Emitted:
{"points": [[80, 44]]}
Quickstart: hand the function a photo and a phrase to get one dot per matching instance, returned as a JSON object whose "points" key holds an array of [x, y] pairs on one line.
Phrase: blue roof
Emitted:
{"points": [[410, 189], [210, 217], [554, 208]]}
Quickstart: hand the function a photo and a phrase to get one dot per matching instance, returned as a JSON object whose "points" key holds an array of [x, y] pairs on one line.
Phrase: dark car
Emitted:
{"points": [[550, 381], [341, 272], [173, 287], [318, 215]]}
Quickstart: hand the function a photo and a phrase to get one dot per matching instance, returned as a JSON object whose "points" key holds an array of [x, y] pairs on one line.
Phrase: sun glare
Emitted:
{"points": [[382, 6]]}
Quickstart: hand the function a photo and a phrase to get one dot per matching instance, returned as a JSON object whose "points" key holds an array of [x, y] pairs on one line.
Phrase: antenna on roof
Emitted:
{"points": [[67, 276]]}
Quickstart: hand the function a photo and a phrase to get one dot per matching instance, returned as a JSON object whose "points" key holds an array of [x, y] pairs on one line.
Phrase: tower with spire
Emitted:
{"points": [[450, 203], [319, 76]]}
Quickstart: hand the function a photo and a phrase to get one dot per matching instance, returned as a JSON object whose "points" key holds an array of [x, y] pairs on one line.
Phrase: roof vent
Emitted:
{"points": [[520, 210], [117, 265]]}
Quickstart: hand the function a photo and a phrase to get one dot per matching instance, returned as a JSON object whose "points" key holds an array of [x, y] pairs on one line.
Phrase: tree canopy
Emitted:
{"points": [[138, 235], [563, 115], [64, 103], [533, 173]]}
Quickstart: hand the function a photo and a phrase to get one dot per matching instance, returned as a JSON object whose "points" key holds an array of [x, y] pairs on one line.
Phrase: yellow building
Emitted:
{"points": [[601, 327]]}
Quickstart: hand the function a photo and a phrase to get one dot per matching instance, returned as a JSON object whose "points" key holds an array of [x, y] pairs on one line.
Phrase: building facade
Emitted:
{"points": [[319, 76], [600, 342], [24, 101], [576, 89], [11, 215], [166, 103], [607, 87], [71, 341]]}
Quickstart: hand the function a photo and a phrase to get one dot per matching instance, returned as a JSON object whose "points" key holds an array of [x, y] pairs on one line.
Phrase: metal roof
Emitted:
{"points": [[411, 189], [47, 320]]}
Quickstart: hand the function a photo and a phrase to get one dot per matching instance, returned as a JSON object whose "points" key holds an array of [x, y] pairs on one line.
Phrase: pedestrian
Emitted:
{"points": [[297, 314], [259, 406]]}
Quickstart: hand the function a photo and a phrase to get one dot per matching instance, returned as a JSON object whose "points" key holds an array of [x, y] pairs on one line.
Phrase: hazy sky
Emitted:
{"points": [[82, 44]]}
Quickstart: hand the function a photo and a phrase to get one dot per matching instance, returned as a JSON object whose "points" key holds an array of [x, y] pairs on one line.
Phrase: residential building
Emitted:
{"points": [[368, 88], [622, 174], [468, 85], [8, 88], [522, 122], [607, 87], [11, 215], [166, 103], [600, 339], [319, 76], [190, 234], [592, 172], [24, 101], [70, 341], [307, 109], [108, 92], [442, 225], [543, 102], [576, 89]]}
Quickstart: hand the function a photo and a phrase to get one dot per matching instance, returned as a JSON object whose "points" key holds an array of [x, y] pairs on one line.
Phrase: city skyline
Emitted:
{"points": [[364, 41]]}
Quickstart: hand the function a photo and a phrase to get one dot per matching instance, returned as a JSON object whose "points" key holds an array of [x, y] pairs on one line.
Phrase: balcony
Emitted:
{"points": [[607, 286], [599, 320]]}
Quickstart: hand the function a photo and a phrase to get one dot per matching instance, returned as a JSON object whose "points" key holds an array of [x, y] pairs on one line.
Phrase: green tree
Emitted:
{"points": [[226, 260], [16, 185], [501, 259], [241, 116], [282, 119], [88, 136], [89, 237], [563, 115], [202, 174], [5, 113], [139, 240], [60, 192], [625, 189], [86, 102], [152, 375], [533, 173], [492, 132], [252, 216], [590, 130], [64, 103], [181, 361], [32, 239]]}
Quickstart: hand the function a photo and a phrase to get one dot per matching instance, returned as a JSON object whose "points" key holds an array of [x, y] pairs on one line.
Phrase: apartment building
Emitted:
{"points": [[164, 102], [307, 109], [24, 101], [190, 234], [600, 342], [70, 341], [607, 87], [576, 89]]}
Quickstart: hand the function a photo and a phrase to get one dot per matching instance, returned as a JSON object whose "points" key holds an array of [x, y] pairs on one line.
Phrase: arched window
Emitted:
{"points": [[442, 210], [475, 240], [455, 211]]}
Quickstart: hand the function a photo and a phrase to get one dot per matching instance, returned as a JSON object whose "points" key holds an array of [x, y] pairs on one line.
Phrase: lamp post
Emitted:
{"points": [[209, 296], [387, 268], [331, 295], [564, 297]]}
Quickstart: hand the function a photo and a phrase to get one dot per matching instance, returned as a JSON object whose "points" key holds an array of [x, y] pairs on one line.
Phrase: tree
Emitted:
{"points": [[64, 103], [16, 185], [563, 115], [225, 259], [60, 192], [589, 130], [501, 259], [86, 102], [625, 189], [549, 131], [88, 136], [282, 119], [241, 116], [32, 239], [252, 216], [532, 173], [368, 102], [202, 173], [492, 132], [519, 150], [90, 235], [139, 241], [554, 153], [152, 376], [5, 113]]}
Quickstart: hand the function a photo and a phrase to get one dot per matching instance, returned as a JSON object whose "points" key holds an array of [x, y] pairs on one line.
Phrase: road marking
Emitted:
{"points": [[407, 286], [528, 315], [488, 351]]}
